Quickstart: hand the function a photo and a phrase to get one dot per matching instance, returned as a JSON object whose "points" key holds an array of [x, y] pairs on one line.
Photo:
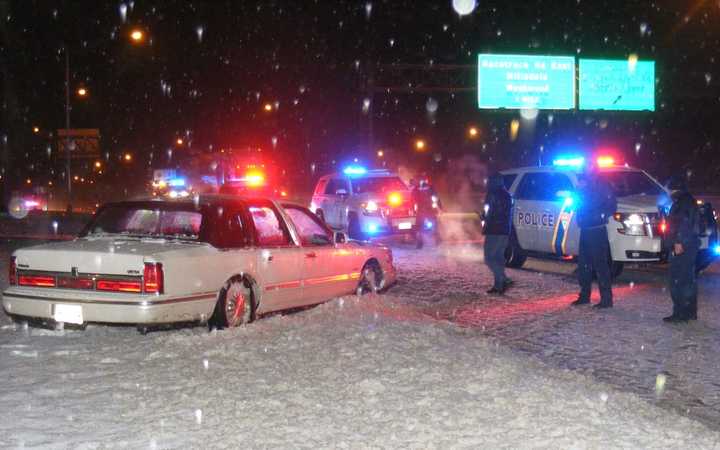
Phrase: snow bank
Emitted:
{"points": [[353, 373]]}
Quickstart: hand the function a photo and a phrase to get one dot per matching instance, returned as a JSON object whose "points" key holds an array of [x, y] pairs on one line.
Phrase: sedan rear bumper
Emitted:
{"points": [[135, 310]]}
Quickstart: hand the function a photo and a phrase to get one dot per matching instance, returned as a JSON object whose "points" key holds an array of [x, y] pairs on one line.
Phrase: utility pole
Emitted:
{"points": [[67, 129]]}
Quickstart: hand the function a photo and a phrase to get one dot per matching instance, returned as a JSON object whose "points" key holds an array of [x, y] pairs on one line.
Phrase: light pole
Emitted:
{"points": [[67, 129]]}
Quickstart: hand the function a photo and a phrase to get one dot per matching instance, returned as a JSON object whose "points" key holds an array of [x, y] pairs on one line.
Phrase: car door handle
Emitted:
{"points": [[310, 255]]}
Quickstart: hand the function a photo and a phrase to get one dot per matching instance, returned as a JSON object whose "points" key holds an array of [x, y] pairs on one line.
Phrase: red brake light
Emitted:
{"points": [[119, 286], [12, 275], [153, 278], [663, 227], [75, 283], [37, 280]]}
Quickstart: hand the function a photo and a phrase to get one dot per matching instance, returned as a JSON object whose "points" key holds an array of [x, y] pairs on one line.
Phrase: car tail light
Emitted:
{"points": [[663, 227], [12, 272], [119, 286], [37, 280], [153, 278]]}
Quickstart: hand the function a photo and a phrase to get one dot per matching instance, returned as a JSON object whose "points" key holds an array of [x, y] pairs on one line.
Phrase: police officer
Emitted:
{"points": [[683, 241], [497, 225], [596, 204]]}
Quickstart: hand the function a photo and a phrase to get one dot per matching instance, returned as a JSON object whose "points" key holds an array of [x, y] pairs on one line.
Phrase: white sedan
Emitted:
{"points": [[220, 260]]}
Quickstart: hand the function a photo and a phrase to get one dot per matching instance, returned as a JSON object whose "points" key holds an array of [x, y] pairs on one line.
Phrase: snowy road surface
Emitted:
{"points": [[525, 371]]}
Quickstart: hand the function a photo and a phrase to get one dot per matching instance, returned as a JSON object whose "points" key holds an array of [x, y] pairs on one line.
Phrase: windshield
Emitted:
{"points": [[378, 185], [146, 222], [625, 183]]}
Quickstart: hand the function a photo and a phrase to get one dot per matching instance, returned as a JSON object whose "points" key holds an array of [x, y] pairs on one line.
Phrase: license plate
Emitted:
{"points": [[68, 314], [404, 225]]}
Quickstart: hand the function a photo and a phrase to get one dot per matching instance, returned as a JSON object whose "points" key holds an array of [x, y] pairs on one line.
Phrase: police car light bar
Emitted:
{"points": [[355, 170], [569, 162], [716, 250], [176, 182], [605, 161]]}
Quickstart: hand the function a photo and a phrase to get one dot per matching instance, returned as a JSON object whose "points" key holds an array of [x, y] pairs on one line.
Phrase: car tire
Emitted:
{"points": [[354, 230], [371, 279], [515, 256], [235, 305]]}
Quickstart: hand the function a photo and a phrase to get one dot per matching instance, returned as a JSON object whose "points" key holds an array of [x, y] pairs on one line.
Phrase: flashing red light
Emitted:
{"points": [[395, 199], [605, 161], [12, 272], [119, 286], [37, 280], [153, 278], [663, 227], [254, 178]]}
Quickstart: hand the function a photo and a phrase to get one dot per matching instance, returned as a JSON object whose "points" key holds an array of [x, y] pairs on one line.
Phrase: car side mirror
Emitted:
{"points": [[341, 192], [320, 239], [340, 237]]}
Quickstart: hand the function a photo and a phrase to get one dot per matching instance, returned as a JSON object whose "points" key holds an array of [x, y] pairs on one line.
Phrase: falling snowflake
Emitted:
{"points": [[123, 12], [199, 31]]}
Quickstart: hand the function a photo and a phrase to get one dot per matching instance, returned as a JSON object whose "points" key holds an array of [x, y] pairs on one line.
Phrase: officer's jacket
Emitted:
{"points": [[597, 203], [498, 208], [684, 221]]}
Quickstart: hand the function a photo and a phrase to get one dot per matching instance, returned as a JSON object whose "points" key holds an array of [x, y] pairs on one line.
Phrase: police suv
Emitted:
{"points": [[545, 222], [364, 202]]}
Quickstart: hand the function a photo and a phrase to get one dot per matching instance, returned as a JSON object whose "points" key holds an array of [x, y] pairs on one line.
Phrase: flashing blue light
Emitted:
{"points": [[574, 161], [568, 202], [176, 182], [428, 224], [355, 170], [372, 228], [716, 250]]}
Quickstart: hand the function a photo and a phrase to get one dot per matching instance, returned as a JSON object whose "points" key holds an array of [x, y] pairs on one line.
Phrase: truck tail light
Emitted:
{"points": [[153, 278], [12, 271]]}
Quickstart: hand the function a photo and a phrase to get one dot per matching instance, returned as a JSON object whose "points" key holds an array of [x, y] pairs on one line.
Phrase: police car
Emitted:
{"points": [[364, 202], [545, 222]]}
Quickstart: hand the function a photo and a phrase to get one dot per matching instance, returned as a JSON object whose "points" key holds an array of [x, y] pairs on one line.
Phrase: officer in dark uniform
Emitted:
{"points": [[596, 204], [683, 241], [497, 225]]}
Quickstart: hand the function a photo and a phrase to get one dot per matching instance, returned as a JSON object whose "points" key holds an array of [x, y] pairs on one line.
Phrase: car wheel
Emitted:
{"points": [[515, 256], [354, 231], [371, 279], [235, 305]]}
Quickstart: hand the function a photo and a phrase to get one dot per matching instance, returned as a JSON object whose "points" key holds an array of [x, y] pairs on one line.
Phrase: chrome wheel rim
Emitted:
{"points": [[235, 307]]}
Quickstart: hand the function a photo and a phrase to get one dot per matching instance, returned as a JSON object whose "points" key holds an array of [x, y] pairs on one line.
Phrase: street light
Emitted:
{"points": [[127, 157], [179, 141], [380, 153], [268, 107], [420, 145], [36, 130], [98, 164], [137, 36], [473, 132], [82, 92]]}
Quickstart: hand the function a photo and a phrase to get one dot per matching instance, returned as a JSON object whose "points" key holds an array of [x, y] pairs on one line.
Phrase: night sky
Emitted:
{"points": [[206, 69]]}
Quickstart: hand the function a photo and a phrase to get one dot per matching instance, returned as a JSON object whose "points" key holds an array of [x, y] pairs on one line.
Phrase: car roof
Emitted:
{"points": [[535, 169], [188, 203]]}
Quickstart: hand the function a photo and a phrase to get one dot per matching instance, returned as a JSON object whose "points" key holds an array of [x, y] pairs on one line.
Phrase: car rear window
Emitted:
{"points": [[378, 184], [146, 221], [626, 183]]}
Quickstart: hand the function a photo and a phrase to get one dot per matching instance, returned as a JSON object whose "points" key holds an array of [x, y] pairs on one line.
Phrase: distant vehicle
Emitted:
{"points": [[364, 202], [253, 182], [544, 215], [223, 260]]}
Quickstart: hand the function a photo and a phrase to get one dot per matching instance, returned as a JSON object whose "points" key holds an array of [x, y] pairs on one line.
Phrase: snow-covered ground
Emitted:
{"points": [[378, 372]]}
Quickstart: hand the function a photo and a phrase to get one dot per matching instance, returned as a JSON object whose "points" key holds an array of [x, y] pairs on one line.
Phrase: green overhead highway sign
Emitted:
{"points": [[526, 82], [625, 85]]}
